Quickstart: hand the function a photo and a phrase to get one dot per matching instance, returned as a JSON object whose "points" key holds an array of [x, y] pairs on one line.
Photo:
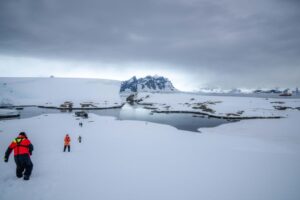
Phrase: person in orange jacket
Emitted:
{"points": [[22, 148], [67, 143]]}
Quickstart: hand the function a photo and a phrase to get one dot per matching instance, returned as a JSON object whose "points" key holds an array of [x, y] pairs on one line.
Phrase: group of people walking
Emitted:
{"points": [[23, 148], [67, 143]]}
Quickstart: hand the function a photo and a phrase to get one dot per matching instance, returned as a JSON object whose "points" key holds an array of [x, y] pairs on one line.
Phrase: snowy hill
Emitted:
{"points": [[147, 84], [54, 91]]}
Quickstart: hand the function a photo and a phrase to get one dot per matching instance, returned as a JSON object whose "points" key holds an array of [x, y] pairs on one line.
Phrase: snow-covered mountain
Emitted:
{"points": [[268, 91], [248, 91], [224, 91], [147, 84], [278, 91]]}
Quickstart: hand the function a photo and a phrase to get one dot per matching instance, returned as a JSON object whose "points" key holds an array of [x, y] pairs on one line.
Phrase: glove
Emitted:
{"points": [[5, 159]]}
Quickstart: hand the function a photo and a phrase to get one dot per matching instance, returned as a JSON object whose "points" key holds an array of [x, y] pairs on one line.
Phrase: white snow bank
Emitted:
{"points": [[8, 112], [247, 160], [54, 91]]}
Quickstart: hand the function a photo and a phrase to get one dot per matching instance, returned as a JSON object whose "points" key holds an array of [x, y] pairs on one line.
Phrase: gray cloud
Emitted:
{"points": [[243, 43]]}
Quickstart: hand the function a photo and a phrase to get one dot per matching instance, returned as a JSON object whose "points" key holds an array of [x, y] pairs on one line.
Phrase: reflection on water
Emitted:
{"points": [[189, 122]]}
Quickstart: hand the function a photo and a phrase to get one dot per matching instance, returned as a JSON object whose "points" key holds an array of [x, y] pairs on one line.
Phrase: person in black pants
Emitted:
{"points": [[67, 143], [22, 148]]}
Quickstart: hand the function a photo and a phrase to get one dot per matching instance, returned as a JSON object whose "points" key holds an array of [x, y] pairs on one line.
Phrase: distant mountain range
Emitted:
{"points": [[163, 84], [147, 84], [249, 91], [278, 91]]}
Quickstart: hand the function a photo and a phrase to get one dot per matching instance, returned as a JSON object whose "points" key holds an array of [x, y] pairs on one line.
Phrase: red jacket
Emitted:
{"points": [[67, 140], [20, 145]]}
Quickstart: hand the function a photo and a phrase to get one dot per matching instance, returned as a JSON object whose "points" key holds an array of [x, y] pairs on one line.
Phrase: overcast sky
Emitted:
{"points": [[195, 43]]}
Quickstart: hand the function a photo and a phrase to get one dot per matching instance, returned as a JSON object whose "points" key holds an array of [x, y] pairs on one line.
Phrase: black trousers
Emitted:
{"points": [[65, 147], [24, 165]]}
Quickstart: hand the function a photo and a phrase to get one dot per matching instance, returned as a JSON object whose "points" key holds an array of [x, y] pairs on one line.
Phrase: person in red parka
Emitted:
{"points": [[22, 148], [67, 142]]}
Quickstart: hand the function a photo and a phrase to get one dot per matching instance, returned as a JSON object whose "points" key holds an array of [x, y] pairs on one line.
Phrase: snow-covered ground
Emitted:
{"points": [[223, 106], [256, 159], [55, 91]]}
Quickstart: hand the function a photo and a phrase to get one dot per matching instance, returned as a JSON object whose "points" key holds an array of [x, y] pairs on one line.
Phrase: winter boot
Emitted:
{"points": [[26, 178], [19, 175]]}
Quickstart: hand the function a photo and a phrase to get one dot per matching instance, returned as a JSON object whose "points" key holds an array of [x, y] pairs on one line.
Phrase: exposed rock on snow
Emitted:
{"points": [[131, 99], [286, 107]]}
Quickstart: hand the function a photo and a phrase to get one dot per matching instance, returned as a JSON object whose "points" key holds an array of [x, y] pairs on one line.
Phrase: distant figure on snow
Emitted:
{"points": [[22, 150], [80, 124], [79, 139], [67, 143]]}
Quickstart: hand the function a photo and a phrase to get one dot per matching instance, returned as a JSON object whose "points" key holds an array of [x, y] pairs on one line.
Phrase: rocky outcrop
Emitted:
{"points": [[147, 84]]}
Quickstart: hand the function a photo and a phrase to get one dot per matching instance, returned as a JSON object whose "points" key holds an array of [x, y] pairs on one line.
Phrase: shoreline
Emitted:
{"points": [[79, 108], [59, 108], [217, 116], [145, 106]]}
